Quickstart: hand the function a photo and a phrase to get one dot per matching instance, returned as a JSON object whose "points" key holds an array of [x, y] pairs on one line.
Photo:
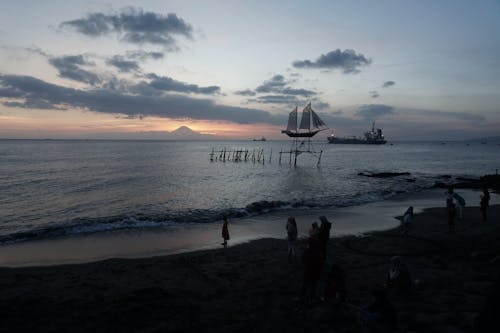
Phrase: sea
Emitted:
{"points": [[56, 188]]}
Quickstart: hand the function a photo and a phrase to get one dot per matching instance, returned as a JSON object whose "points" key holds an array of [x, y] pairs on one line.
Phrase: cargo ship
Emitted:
{"points": [[372, 137]]}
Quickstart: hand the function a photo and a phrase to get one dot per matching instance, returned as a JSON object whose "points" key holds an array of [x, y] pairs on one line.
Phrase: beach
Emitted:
{"points": [[250, 287]]}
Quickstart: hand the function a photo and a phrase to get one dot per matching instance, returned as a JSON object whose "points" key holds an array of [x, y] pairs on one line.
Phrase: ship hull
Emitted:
{"points": [[354, 141]]}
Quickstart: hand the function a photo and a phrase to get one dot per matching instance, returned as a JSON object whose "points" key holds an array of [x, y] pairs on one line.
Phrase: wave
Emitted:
{"points": [[141, 221]]}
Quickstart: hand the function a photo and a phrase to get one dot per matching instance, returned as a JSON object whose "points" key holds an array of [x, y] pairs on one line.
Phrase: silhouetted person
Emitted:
{"points": [[225, 231], [398, 277], [460, 205], [484, 203], [314, 231], [324, 235], [380, 316], [335, 290], [450, 196], [451, 217], [291, 231], [407, 220], [313, 265]]}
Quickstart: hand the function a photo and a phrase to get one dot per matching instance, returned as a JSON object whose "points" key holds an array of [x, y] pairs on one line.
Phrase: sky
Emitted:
{"points": [[421, 70]]}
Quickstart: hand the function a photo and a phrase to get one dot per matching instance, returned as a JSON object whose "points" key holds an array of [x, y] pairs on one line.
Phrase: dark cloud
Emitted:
{"points": [[165, 83], [143, 55], [246, 92], [374, 111], [298, 92], [134, 26], [374, 94], [348, 61], [275, 84], [133, 105], [388, 84], [277, 99], [69, 67], [123, 64]]}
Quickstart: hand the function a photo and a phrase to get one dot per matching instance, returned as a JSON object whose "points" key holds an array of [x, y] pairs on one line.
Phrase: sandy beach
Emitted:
{"points": [[250, 287]]}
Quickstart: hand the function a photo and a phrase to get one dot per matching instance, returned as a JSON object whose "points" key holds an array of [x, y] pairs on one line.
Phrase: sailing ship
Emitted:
{"points": [[310, 125], [372, 137], [306, 128]]}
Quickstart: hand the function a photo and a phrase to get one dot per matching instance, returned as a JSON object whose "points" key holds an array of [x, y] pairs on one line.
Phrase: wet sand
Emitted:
{"points": [[250, 287]]}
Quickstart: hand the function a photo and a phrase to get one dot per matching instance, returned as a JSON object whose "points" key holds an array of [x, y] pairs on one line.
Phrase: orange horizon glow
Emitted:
{"points": [[78, 124]]}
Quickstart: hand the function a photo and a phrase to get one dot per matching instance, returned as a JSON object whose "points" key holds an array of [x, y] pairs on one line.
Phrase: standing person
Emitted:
{"points": [[407, 220], [314, 231], [484, 203], [225, 232], [460, 205], [335, 290], [291, 231], [324, 234], [449, 197], [452, 211], [313, 265]]}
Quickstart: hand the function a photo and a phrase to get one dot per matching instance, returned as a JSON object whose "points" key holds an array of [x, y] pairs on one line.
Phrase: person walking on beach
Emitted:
{"points": [[407, 220], [484, 203], [324, 235], [291, 231], [225, 231]]}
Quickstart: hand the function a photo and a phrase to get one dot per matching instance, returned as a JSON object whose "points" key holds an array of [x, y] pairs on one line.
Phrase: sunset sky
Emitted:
{"points": [[235, 69]]}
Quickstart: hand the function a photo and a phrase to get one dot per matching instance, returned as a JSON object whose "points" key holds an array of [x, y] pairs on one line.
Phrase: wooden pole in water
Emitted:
{"points": [[319, 159]]}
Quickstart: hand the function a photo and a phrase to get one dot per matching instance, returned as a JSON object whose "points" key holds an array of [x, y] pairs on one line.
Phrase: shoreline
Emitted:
{"points": [[133, 244], [251, 287]]}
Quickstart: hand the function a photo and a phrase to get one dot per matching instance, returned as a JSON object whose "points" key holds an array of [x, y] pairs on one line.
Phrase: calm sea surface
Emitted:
{"points": [[53, 188]]}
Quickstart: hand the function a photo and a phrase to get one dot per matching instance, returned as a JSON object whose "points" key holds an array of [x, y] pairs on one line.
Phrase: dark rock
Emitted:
{"points": [[384, 174]]}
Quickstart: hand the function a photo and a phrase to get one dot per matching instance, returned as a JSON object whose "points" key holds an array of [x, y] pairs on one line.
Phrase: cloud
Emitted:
{"points": [[388, 84], [143, 55], [123, 65], [246, 92], [374, 111], [135, 26], [348, 61], [69, 67], [134, 105], [165, 83], [277, 99], [275, 84], [374, 93]]}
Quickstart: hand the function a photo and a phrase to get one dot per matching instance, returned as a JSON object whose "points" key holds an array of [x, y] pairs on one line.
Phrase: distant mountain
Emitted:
{"points": [[181, 133], [185, 133]]}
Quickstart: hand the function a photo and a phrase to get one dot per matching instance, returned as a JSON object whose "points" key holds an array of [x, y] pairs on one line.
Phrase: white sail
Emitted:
{"points": [[317, 122], [292, 121], [305, 122]]}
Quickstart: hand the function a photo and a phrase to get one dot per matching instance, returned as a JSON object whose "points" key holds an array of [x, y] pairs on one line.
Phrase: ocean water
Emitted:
{"points": [[52, 188]]}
